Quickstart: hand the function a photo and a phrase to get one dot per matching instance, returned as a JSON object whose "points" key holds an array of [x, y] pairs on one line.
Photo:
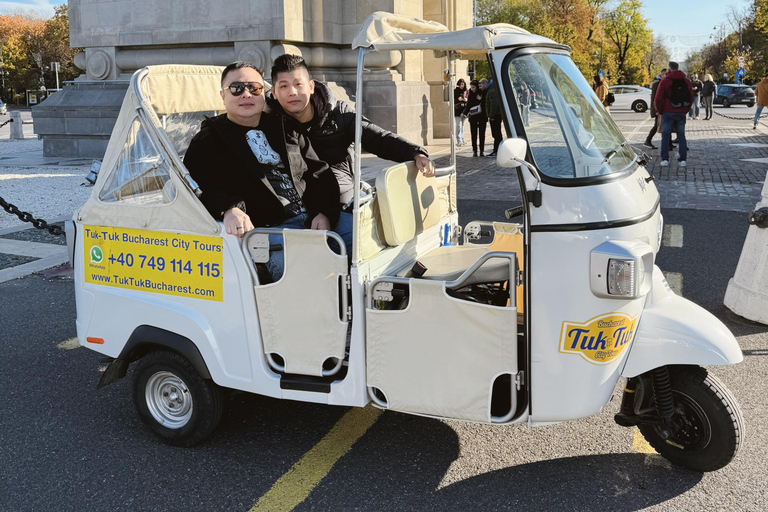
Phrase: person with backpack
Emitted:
{"points": [[674, 96]]}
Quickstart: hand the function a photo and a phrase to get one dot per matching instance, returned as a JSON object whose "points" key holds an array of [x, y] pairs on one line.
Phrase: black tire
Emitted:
{"points": [[639, 106], [710, 420], [173, 400], [750, 105], [726, 103]]}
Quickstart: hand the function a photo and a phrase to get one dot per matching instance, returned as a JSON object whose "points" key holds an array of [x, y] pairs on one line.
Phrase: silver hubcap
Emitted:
{"points": [[168, 399]]}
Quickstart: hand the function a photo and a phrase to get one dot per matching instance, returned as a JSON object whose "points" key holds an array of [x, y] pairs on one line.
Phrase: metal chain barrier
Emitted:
{"points": [[10, 120], [27, 217], [750, 118]]}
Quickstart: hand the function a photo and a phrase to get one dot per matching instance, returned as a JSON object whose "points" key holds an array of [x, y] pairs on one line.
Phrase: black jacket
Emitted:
{"points": [[654, 86], [459, 102], [332, 134], [223, 165], [473, 100], [708, 88]]}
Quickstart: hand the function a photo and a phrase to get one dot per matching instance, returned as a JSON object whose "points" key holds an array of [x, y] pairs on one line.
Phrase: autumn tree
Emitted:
{"points": [[626, 28], [28, 45]]}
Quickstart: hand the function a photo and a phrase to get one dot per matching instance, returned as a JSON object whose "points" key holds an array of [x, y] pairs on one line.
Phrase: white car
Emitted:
{"points": [[631, 97], [3, 109]]}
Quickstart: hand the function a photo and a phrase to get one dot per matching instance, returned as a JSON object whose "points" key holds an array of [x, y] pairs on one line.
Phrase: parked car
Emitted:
{"points": [[632, 97], [3, 108], [734, 94]]}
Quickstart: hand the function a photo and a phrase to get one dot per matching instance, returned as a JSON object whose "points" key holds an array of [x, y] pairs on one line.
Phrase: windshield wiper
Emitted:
{"points": [[613, 152]]}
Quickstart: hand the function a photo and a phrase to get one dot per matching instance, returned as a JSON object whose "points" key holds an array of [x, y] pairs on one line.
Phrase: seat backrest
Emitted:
{"points": [[408, 202]]}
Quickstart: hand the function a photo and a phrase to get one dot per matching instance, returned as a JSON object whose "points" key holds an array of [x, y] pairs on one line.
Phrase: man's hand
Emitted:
{"points": [[236, 222], [321, 222], [425, 165]]}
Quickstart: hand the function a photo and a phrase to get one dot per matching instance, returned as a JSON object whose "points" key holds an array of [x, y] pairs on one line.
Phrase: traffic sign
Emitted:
{"points": [[741, 59]]}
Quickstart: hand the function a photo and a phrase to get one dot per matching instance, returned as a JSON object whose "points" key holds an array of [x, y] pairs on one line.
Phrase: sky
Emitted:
{"points": [[684, 24]]}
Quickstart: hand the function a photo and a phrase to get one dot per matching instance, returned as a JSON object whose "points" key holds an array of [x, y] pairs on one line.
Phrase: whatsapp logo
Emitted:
{"points": [[96, 254]]}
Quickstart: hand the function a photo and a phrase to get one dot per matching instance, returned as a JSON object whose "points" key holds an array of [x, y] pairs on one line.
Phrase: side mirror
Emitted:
{"points": [[511, 153]]}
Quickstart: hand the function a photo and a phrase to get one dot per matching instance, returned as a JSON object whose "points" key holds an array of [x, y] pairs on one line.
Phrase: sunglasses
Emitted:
{"points": [[238, 88]]}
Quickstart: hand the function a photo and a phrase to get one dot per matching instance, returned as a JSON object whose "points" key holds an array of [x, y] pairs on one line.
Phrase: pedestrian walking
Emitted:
{"points": [[493, 110], [524, 99], [696, 86], [708, 95], [673, 101], [477, 119], [601, 89], [761, 97], [654, 114], [459, 102]]}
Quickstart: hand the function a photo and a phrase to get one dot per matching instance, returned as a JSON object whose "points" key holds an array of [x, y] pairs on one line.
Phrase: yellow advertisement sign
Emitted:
{"points": [[155, 262], [600, 340]]}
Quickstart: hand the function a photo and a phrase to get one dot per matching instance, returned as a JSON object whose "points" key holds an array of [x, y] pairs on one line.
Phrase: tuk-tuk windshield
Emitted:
{"points": [[569, 132]]}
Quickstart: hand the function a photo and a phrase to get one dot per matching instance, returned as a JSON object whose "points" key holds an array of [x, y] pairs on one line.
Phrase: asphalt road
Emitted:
{"points": [[66, 446]]}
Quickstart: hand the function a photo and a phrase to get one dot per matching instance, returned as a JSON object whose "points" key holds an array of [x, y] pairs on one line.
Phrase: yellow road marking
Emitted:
{"points": [[295, 485], [69, 344], [640, 445]]}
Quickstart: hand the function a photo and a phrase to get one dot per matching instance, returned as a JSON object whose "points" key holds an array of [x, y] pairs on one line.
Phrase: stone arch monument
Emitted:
{"points": [[121, 36]]}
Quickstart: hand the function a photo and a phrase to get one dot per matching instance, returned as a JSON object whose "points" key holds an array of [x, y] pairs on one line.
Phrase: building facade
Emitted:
{"points": [[121, 36]]}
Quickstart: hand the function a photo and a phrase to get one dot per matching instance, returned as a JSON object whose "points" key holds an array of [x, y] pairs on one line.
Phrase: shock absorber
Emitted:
{"points": [[665, 404]]}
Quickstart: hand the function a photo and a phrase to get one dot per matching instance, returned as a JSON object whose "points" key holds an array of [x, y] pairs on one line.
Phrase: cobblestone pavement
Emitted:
{"points": [[726, 164]]}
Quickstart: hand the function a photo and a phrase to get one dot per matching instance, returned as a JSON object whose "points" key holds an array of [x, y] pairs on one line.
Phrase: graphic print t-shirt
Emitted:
{"points": [[276, 173]]}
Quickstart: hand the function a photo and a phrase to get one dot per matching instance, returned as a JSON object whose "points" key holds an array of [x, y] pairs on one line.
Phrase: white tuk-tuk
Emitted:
{"points": [[532, 322]]}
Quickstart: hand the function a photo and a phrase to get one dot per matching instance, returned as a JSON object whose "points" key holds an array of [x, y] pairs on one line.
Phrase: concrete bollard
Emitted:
{"points": [[747, 292], [17, 128]]}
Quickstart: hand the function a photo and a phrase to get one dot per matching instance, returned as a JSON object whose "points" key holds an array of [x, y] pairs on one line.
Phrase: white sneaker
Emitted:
{"points": [[682, 163], [665, 163]]}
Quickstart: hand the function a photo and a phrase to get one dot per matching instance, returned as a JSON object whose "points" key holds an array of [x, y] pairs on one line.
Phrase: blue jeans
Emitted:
{"points": [[276, 264], [694, 112], [670, 122], [459, 129], [758, 112]]}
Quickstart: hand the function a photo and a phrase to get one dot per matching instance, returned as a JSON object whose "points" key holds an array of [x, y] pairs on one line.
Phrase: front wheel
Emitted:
{"points": [[639, 106], [174, 401], [709, 426]]}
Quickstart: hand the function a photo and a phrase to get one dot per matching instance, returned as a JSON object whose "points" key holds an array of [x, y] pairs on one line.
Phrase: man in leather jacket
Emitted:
{"points": [[330, 124], [253, 170]]}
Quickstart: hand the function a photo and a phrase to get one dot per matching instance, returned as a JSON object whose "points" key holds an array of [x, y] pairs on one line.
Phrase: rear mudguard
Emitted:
{"points": [[673, 330]]}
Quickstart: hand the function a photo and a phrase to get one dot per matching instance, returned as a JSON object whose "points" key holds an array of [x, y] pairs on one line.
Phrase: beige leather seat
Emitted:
{"points": [[448, 262], [410, 203]]}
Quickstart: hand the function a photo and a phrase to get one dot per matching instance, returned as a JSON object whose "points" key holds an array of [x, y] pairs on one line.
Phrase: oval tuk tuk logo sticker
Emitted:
{"points": [[600, 340]]}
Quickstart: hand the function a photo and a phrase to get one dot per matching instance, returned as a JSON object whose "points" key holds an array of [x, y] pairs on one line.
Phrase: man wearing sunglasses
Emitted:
{"points": [[254, 171], [330, 124]]}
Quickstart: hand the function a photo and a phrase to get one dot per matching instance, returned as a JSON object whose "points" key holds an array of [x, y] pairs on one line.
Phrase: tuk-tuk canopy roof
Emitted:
{"points": [[383, 31]]}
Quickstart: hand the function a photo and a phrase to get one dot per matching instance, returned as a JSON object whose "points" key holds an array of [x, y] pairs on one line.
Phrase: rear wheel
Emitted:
{"points": [[726, 102], [750, 105], [709, 427], [173, 400], [639, 106]]}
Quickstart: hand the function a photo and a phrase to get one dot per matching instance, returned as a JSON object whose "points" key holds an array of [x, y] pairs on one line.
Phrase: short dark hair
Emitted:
{"points": [[287, 63], [240, 64], [674, 66]]}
